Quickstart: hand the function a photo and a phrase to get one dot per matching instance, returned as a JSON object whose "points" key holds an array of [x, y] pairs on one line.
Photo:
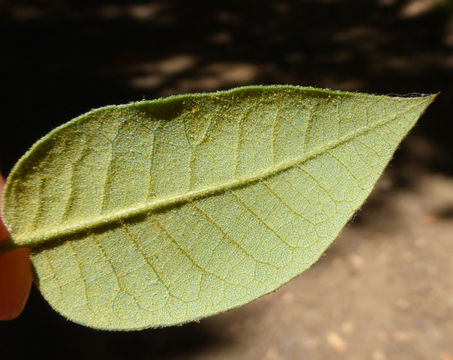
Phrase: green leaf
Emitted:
{"points": [[161, 212]]}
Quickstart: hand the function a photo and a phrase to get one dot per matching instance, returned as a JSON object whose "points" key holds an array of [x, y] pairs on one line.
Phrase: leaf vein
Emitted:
{"points": [[159, 204]]}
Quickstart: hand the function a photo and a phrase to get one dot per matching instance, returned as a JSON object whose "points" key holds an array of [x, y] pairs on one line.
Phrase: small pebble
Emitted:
{"points": [[337, 342]]}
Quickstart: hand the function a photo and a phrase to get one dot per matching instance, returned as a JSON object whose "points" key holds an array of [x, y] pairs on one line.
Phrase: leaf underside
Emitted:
{"points": [[161, 212]]}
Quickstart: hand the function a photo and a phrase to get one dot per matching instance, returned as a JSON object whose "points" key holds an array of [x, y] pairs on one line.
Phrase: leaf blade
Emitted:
{"points": [[268, 174]]}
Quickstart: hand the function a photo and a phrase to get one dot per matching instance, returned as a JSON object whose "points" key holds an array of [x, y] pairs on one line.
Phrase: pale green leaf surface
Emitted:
{"points": [[161, 212]]}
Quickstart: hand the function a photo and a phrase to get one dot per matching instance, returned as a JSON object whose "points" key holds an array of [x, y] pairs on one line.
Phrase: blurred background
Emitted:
{"points": [[384, 289]]}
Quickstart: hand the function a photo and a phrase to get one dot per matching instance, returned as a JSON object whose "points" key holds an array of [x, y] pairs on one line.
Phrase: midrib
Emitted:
{"points": [[35, 238]]}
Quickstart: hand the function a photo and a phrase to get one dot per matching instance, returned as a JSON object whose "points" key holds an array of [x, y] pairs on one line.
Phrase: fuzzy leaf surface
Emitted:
{"points": [[161, 212]]}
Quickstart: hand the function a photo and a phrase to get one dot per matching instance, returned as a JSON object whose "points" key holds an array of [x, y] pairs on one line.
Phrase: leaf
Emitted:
{"points": [[162, 212]]}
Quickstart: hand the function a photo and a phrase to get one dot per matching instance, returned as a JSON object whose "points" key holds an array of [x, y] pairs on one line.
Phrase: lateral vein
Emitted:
{"points": [[82, 226]]}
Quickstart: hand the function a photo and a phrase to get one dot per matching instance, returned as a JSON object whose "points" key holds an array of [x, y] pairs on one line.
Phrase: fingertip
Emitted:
{"points": [[15, 283], [15, 275]]}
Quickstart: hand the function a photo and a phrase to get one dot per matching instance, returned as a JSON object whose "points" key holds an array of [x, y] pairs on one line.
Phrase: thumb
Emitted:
{"points": [[15, 275]]}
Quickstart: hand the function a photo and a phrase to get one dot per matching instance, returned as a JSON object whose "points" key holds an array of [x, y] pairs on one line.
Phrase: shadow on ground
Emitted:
{"points": [[61, 59]]}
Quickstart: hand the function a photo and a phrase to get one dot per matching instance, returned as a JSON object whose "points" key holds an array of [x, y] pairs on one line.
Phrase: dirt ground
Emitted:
{"points": [[384, 289]]}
